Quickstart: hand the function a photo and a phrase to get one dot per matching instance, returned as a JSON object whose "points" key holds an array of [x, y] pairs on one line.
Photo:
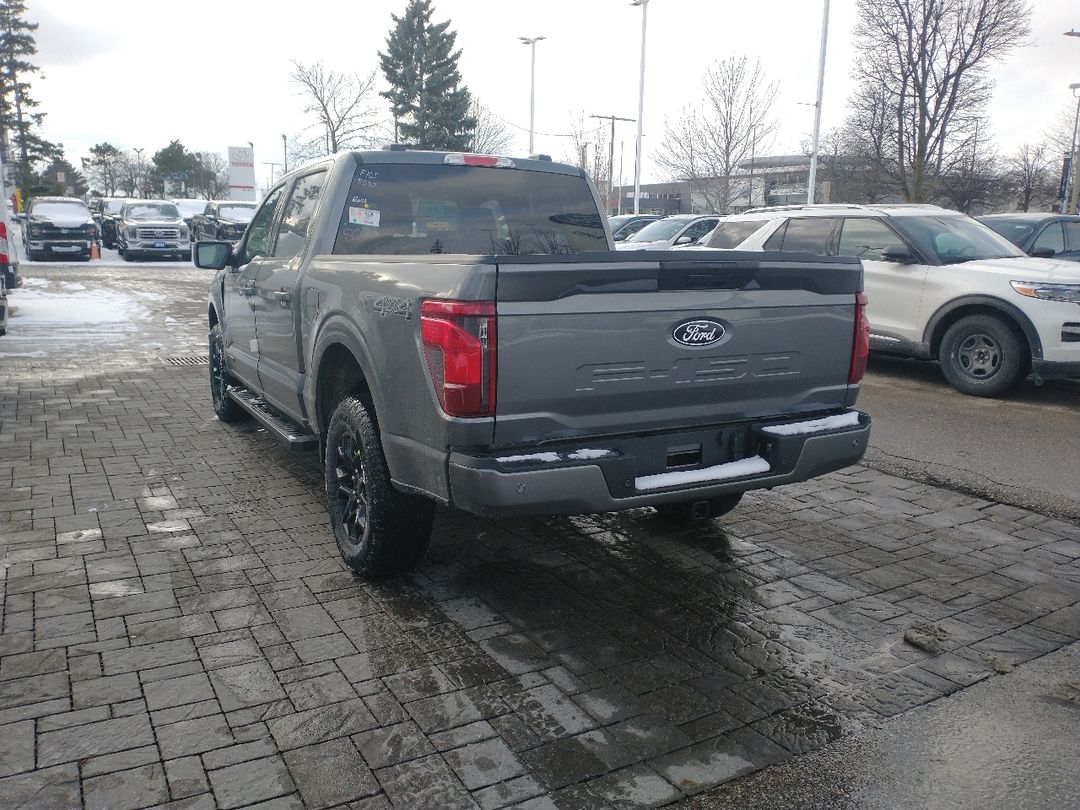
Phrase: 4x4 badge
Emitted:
{"points": [[699, 332]]}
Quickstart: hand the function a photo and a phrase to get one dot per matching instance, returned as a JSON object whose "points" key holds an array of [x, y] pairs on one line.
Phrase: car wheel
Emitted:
{"points": [[984, 356], [225, 408], [379, 530], [685, 512]]}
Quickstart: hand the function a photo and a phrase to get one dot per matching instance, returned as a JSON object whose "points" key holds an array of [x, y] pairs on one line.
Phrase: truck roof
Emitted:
{"points": [[539, 163]]}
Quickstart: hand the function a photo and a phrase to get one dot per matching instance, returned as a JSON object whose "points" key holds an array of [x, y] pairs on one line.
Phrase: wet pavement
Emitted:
{"points": [[178, 630]]}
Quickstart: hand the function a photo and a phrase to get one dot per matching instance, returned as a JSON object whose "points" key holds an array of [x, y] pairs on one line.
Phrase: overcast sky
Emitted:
{"points": [[214, 73]]}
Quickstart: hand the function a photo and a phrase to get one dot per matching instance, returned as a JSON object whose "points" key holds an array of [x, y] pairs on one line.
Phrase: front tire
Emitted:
{"points": [[225, 407], [684, 512], [379, 530], [984, 356]]}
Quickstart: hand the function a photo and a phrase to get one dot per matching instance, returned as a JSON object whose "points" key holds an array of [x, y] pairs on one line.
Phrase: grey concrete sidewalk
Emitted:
{"points": [[177, 628], [1005, 743]]}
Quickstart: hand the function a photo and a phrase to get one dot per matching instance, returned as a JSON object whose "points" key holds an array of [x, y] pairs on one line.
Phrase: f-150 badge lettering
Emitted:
{"points": [[386, 305], [701, 332]]}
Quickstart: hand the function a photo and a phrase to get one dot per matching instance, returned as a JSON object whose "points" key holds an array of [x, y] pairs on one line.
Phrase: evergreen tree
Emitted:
{"points": [[431, 109], [172, 169], [20, 141], [61, 179]]}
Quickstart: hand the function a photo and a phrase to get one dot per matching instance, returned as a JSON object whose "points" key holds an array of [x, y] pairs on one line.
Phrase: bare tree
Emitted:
{"points": [[972, 181], [729, 122], [133, 175], [342, 106], [852, 175], [491, 136], [1031, 177], [923, 83], [209, 175], [587, 148]]}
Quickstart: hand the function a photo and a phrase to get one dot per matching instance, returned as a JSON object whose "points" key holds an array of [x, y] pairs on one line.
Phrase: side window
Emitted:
{"points": [[1051, 237], [296, 218], [208, 210], [775, 241], [809, 235], [1072, 236], [699, 229], [262, 224], [865, 238]]}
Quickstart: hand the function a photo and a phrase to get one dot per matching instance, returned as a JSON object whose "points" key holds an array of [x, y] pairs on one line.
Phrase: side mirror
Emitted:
{"points": [[1043, 253], [619, 237], [684, 240], [897, 253], [212, 255]]}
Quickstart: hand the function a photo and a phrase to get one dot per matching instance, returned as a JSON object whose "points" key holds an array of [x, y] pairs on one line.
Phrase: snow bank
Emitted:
{"points": [[33, 307], [585, 454], [549, 458]]}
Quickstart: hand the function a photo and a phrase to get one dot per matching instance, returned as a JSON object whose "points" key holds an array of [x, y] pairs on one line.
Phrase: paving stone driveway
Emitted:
{"points": [[177, 628]]}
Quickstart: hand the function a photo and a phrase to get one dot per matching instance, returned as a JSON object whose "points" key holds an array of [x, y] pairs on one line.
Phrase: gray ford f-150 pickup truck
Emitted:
{"points": [[457, 329]]}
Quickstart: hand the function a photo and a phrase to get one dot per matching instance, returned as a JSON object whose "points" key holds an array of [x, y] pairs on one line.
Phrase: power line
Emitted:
{"points": [[546, 134]]}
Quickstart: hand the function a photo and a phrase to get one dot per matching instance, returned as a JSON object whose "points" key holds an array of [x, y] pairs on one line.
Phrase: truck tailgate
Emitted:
{"points": [[608, 345]]}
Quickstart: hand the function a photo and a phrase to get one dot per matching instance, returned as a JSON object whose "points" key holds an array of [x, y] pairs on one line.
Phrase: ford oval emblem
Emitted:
{"points": [[701, 332]]}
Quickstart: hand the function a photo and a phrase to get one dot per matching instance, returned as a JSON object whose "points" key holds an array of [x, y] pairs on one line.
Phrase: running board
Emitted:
{"points": [[283, 428]]}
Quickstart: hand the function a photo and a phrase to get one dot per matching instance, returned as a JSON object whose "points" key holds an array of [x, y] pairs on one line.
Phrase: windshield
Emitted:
{"points": [[1014, 230], [412, 209], [731, 234], [659, 231], [954, 238], [71, 210], [114, 206], [241, 213], [189, 208], [144, 212]]}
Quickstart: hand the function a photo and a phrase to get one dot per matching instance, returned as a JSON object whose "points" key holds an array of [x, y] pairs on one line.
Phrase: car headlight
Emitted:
{"points": [[131, 232], [1048, 290], [90, 230], [35, 230], [183, 232]]}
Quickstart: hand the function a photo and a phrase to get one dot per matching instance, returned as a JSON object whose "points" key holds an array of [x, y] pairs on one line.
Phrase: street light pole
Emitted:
{"points": [[284, 154], [531, 42], [611, 152], [817, 107], [139, 178], [1068, 201], [640, 107]]}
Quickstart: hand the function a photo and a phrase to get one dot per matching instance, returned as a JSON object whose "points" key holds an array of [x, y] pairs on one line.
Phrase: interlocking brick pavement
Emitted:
{"points": [[178, 630]]}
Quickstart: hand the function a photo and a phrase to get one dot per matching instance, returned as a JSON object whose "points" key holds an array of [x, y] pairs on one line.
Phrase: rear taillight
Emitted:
{"points": [[860, 348], [459, 345], [3, 243]]}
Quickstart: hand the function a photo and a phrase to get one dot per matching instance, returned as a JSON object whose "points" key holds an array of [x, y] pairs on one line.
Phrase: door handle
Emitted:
{"points": [[283, 296]]}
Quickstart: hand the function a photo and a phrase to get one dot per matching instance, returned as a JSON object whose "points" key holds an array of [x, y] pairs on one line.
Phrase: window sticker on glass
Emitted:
{"points": [[363, 216]]}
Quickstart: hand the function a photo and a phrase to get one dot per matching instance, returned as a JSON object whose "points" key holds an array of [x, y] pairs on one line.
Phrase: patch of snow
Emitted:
{"points": [[72, 286], [94, 307], [719, 472], [849, 419], [24, 354], [170, 319], [548, 458], [35, 282], [585, 453]]}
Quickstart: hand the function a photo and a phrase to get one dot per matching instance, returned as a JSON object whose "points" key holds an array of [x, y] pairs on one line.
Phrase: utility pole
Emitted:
{"points": [[640, 106], [817, 106], [611, 152], [272, 167], [531, 42], [284, 154]]}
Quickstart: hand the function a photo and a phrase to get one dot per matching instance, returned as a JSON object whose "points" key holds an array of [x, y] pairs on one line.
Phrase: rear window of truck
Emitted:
{"points": [[411, 209]]}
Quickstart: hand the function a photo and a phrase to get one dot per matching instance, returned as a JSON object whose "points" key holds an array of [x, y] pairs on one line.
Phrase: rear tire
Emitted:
{"points": [[684, 512], [984, 356], [225, 407], [379, 530]]}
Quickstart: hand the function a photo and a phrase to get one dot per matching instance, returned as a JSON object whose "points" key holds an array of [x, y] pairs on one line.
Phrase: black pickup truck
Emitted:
{"points": [[223, 220], [457, 329], [58, 227]]}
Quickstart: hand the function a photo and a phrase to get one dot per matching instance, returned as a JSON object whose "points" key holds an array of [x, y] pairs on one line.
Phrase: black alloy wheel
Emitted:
{"points": [[380, 531], [225, 408]]}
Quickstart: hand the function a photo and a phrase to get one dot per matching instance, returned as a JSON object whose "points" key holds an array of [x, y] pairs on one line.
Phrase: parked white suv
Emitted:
{"points": [[941, 286]]}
